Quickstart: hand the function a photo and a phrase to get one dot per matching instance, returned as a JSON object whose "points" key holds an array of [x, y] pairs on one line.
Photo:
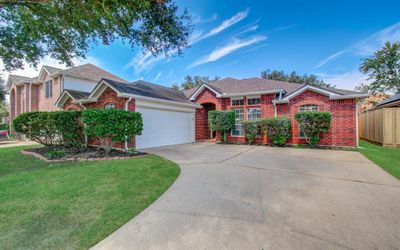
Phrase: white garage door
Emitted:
{"points": [[164, 127]]}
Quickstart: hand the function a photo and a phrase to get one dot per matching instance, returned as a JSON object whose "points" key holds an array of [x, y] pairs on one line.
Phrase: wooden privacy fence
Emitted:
{"points": [[381, 126]]}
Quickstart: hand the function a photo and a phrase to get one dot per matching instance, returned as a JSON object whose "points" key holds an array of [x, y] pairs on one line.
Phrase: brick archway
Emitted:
{"points": [[202, 131]]}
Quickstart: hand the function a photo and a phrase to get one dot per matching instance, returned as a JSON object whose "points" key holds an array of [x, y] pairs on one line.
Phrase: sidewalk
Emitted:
{"points": [[7, 144]]}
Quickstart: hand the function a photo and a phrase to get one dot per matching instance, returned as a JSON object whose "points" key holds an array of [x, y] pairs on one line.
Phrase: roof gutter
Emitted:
{"points": [[139, 97]]}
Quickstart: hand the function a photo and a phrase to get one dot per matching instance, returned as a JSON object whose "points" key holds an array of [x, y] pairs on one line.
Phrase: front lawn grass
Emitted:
{"points": [[386, 157], [74, 205]]}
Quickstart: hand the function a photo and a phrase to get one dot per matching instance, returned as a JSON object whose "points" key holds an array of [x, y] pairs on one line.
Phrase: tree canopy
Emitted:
{"points": [[195, 81], [64, 29], [294, 77], [2, 90], [383, 68]]}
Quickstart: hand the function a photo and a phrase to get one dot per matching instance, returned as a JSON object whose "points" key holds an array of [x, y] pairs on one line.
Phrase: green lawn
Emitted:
{"points": [[74, 205], [387, 158]]}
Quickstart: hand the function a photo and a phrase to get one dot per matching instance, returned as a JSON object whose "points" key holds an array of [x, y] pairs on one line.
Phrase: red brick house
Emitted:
{"points": [[173, 116]]}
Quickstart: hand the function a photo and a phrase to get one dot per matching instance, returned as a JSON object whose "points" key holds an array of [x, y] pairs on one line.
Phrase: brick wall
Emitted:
{"points": [[341, 133], [47, 104], [108, 96]]}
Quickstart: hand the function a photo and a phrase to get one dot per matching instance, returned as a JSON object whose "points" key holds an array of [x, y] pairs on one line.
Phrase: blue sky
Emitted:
{"points": [[241, 38]]}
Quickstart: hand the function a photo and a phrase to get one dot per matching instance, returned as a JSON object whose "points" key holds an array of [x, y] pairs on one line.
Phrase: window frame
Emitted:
{"points": [[106, 106], [237, 99], [301, 111], [253, 98], [48, 89], [238, 123]]}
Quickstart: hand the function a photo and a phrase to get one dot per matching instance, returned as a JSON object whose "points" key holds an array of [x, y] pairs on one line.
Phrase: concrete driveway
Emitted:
{"points": [[254, 197]]}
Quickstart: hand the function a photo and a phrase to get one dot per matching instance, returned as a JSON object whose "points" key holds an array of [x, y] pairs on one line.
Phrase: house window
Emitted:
{"points": [[306, 108], [110, 105], [253, 114], [48, 88], [237, 102], [253, 101], [238, 128]]}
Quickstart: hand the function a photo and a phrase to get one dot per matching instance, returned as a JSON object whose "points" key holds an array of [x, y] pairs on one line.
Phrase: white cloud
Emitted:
{"points": [[223, 26], [158, 76], [347, 80], [228, 49], [368, 45], [144, 61], [196, 19]]}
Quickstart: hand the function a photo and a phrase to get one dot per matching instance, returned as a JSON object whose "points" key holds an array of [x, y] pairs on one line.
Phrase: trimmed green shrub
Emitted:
{"points": [[277, 129], [222, 121], [55, 154], [251, 130], [51, 128], [3, 126], [313, 124], [68, 127], [112, 125]]}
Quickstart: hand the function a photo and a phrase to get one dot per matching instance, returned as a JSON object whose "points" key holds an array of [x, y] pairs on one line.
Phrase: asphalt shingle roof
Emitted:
{"points": [[236, 86], [91, 72], [77, 94], [148, 89], [394, 98]]}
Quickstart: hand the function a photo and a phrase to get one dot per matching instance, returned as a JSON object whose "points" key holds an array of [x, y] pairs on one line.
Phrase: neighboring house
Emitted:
{"points": [[174, 117], [391, 102], [40, 93]]}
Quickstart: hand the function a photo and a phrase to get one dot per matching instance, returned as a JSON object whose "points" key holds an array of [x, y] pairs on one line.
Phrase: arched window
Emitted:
{"points": [[110, 105], [308, 108]]}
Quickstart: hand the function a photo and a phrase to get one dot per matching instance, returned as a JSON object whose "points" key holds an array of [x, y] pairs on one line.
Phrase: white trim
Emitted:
{"points": [[61, 99], [201, 88], [332, 95], [126, 109], [161, 106]]}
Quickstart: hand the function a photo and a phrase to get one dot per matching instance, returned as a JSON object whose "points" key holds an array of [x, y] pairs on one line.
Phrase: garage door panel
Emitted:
{"points": [[163, 127]]}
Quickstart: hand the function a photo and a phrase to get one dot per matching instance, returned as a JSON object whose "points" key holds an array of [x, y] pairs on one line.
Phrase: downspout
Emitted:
{"points": [[357, 140], [30, 97], [126, 108], [275, 112]]}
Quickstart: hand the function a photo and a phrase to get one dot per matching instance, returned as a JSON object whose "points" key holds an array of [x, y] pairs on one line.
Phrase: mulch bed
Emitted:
{"points": [[85, 154]]}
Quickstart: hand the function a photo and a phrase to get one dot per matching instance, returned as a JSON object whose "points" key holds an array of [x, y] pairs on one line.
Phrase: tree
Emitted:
{"points": [[2, 90], [175, 86], [64, 29], [222, 121], [195, 81], [313, 124], [295, 78], [384, 69]]}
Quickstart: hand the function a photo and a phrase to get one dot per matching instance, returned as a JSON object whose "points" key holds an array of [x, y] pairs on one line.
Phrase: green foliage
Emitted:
{"points": [[68, 127], [2, 90], [196, 81], [3, 126], [251, 130], [295, 78], [112, 125], [278, 129], [383, 68], [222, 121], [64, 29], [313, 124], [51, 128], [55, 154]]}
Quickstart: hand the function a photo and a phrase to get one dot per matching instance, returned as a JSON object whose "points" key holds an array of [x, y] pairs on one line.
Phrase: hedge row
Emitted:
{"points": [[278, 129], [68, 128]]}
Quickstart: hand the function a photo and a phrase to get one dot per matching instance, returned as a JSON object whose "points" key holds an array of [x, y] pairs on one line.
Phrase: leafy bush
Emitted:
{"points": [[222, 121], [3, 126], [277, 129], [251, 130], [55, 154], [68, 127], [112, 125], [51, 128], [313, 124]]}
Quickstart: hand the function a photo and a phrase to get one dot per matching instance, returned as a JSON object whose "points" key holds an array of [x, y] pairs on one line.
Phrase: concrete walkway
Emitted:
{"points": [[250, 197], [8, 144]]}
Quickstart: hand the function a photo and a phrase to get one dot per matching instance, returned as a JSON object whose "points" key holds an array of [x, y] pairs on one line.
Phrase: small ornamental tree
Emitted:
{"points": [[277, 129], [222, 121], [112, 125], [251, 130], [313, 124]]}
